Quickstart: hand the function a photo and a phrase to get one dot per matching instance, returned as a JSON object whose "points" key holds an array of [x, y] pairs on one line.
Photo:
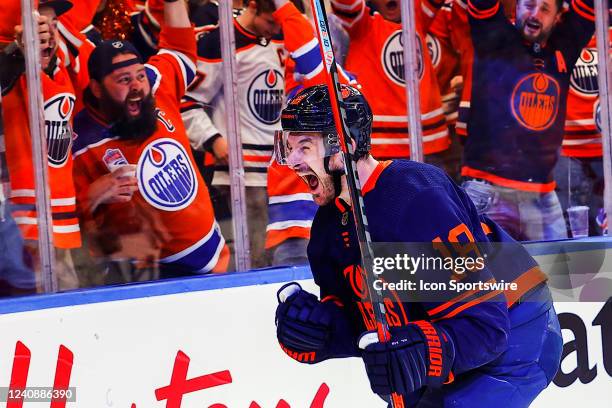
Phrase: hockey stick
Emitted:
{"points": [[354, 185]]}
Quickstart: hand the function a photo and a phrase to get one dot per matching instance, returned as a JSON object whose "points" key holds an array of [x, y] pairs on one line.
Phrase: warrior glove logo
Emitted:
{"points": [[392, 58], [166, 178], [57, 125], [535, 101], [584, 76], [265, 96]]}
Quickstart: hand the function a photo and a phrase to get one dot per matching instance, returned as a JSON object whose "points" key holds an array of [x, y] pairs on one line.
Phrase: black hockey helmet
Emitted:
{"points": [[310, 111]]}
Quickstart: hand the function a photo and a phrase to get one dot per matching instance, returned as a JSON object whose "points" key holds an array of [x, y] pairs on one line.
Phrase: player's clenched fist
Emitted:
{"points": [[115, 187], [418, 355], [309, 330]]}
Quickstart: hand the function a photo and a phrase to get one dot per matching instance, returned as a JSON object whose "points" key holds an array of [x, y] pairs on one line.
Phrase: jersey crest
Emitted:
{"points": [[265, 96], [395, 313], [434, 49], [597, 115], [166, 178], [392, 58], [58, 111], [584, 76], [535, 101]]}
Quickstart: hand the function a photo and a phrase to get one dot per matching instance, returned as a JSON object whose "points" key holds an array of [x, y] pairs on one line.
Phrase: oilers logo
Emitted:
{"points": [[265, 96], [535, 101], [597, 115], [166, 178], [392, 58], [434, 49], [584, 76], [57, 126]]}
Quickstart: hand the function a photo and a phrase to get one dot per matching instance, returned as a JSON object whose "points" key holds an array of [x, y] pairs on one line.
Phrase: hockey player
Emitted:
{"points": [[520, 80], [472, 350], [133, 168]]}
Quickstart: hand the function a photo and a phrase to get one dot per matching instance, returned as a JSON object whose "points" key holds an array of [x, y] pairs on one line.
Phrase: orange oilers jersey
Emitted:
{"points": [[172, 200], [583, 121], [445, 60], [59, 101], [82, 13], [74, 50], [375, 56]]}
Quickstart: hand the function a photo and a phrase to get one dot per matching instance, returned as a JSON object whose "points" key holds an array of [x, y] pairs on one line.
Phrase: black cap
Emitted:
{"points": [[100, 62], [60, 6]]}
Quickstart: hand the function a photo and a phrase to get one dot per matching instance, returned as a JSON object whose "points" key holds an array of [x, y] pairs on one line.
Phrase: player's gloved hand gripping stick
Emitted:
{"points": [[354, 186], [419, 354]]}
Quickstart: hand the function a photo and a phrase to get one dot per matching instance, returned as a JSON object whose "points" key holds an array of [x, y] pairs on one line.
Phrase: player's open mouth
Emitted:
{"points": [[312, 181]]}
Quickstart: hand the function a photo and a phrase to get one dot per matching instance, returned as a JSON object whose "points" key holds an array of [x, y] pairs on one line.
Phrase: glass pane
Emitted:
{"points": [[441, 89], [16, 276], [579, 171], [143, 179], [25, 261], [525, 160]]}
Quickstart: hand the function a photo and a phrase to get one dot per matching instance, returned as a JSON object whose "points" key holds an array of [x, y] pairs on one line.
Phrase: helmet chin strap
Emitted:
{"points": [[336, 176]]}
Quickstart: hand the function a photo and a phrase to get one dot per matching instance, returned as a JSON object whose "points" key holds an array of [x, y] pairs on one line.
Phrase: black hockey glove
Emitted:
{"points": [[309, 330], [418, 355]]}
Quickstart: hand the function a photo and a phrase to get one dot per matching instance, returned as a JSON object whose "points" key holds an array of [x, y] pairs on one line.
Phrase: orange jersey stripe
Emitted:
{"points": [[504, 182]]}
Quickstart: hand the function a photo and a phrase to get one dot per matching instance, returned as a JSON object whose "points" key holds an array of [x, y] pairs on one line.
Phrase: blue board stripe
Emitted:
{"points": [[158, 288], [231, 280]]}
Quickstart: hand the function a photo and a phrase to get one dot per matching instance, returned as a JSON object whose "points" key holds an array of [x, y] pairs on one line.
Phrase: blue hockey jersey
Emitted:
{"points": [[409, 202]]}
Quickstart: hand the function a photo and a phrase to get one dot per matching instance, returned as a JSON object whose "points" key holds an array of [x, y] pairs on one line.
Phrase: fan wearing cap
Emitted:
{"points": [[135, 174], [58, 102]]}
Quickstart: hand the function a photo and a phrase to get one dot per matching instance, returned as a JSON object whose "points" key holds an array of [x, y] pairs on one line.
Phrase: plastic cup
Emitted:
{"points": [[130, 172], [579, 221]]}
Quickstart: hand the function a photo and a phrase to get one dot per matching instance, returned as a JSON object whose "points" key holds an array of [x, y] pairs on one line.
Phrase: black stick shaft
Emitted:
{"points": [[354, 185]]}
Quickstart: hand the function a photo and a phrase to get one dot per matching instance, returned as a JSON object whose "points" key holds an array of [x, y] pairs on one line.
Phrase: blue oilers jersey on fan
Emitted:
{"points": [[409, 202], [519, 95]]}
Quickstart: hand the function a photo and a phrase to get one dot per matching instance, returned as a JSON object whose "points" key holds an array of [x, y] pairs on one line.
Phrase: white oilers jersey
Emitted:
{"points": [[261, 84]]}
